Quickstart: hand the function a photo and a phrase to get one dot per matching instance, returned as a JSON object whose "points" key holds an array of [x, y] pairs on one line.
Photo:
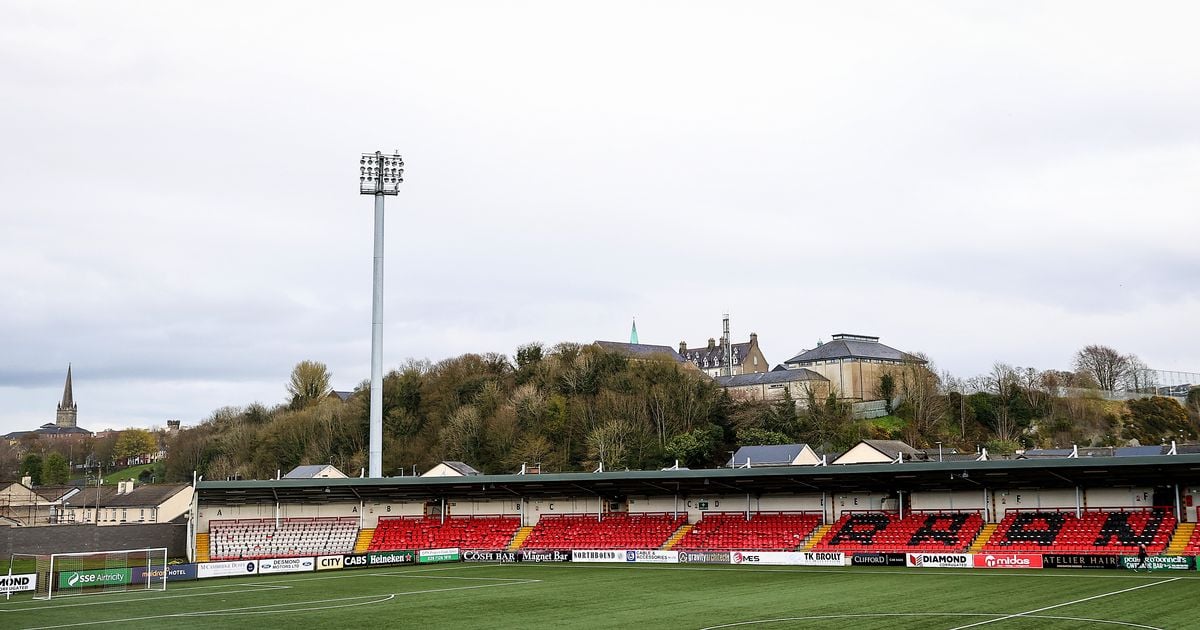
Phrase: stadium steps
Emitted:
{"points": [[519, 537], [677, 536], [1179, 541], [363, 542], [202, 546], [817, 535], [985, 534]]}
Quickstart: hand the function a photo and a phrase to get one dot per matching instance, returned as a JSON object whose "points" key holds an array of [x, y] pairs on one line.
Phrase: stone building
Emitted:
{"points": [[853, 364]]}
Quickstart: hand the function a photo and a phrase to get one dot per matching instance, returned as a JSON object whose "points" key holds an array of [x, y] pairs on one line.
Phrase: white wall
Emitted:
{"points": [[484, 507], [856, 502], [1119, 497], [956, 500]]}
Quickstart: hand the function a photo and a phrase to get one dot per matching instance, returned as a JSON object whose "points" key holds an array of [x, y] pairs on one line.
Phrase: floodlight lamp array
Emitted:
{"points": [[380, 174]]}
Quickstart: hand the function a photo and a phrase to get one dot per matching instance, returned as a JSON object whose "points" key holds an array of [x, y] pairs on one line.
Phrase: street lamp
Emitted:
{"points": [[378, 175]]}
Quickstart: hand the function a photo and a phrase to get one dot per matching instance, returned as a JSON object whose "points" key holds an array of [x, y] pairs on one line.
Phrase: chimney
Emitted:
{"points": [[682, 347], [27, 481], [753, 340], [712, 343]]}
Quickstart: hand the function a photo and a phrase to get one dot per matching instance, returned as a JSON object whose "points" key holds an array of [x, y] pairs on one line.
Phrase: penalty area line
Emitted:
{"points": [[259, 588], [252, 610], [1077, 601]]}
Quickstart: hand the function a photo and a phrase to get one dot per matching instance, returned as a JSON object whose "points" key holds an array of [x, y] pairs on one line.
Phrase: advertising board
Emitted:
{"points": [[429, 556], [327, 563], [93, 577], [1007, 561], [286, 565], [18, 582], [355, 561], [939, 560], [1160, 563], [656, 556], [1079, 561], [704, 557], [546, 555], [823, 558], [482, 555], [175, 573], [226, 569], [878, 560], [767, 557], [388, 558], [598, 555]]}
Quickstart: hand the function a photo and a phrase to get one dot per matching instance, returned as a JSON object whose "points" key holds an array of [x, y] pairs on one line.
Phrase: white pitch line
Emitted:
{"points": [[927, 614], [746, 568], [108, 602], [250, 610], [234, 611], [1078, 601]]}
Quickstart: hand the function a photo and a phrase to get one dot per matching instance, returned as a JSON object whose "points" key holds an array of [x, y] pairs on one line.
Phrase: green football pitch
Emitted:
{"points": [[563, 596]]}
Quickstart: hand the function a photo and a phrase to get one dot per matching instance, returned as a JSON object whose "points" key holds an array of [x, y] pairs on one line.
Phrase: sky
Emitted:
{"points": [[978, 181]]}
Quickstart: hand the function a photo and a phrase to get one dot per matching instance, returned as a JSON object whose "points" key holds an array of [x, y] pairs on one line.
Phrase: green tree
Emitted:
{"points": [[134, 442], [309, 382], [55, 469], [887, 391], [696, 447], [31, 467], [761, 437]]}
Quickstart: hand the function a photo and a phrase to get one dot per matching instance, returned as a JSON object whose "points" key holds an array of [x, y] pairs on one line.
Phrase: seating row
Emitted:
{"points": [[889, 532], [252, 539], [419, 532], [756, 532], [1095, 532], [615, 530]]}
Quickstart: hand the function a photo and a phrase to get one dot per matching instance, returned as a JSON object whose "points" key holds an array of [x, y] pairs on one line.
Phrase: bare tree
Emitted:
{"points": [[1138, 376], [1003, 381], [921, 390], [1104, 364]]}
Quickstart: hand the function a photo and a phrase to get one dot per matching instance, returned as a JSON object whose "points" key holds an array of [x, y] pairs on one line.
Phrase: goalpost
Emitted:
{"points": [[83, 573]]}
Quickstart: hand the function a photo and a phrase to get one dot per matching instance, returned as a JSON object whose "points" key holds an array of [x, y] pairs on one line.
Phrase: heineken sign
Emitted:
{"points": [[385, 558], [96, 577]]}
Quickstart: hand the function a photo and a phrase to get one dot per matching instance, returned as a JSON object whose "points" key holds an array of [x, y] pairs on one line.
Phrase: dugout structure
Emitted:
{"points": [[92, 572]]}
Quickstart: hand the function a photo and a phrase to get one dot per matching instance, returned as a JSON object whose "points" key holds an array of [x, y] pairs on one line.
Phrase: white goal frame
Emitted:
{"points": [[53, 568]]}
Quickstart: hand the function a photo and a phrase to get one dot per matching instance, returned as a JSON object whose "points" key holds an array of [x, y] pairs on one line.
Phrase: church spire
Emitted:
{"points": [[68, 398], [67, 409], [633, 333]]}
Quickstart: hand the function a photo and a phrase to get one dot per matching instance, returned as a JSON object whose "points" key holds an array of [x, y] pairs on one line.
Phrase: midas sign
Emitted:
{"points": [[1007, 561], [97, 577]]}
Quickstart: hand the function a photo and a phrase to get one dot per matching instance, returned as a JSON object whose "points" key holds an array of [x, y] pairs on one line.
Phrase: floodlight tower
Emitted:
{"points": [[378, 175]]}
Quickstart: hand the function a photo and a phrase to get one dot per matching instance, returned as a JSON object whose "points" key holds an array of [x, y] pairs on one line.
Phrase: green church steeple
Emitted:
{"points": [[633, 333]]}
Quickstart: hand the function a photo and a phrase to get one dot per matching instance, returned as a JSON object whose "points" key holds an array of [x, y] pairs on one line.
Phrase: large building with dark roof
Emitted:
{"points": [[853, 364]]}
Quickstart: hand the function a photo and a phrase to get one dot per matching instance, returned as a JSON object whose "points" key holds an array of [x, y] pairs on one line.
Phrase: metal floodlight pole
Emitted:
{"points": [[379, 175]]}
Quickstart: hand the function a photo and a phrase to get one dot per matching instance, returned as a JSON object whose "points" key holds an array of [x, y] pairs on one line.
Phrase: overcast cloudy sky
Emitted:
{"points": [[980, 181]]}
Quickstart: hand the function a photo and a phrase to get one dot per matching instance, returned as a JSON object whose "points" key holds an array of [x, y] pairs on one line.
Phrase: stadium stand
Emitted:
{"points": [[1095, 532], [465, 532], [937, 531], [260, 538], [763, 531], [616, 530]]}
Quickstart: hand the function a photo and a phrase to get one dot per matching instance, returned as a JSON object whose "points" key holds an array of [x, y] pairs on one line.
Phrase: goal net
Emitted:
{"points": [[66, 574]]}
